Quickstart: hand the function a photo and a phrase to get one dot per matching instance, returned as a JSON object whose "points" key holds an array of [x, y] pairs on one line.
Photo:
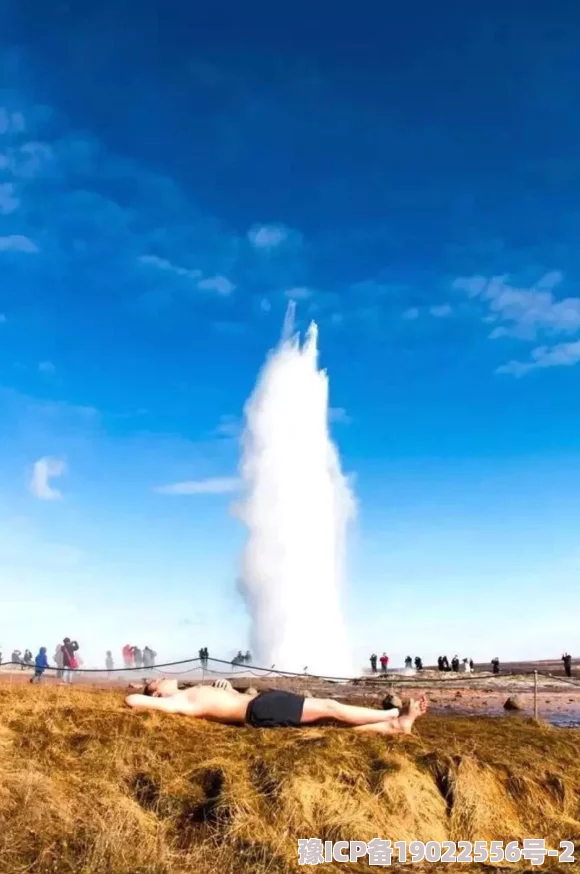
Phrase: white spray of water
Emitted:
{"points": [[296, 504]]}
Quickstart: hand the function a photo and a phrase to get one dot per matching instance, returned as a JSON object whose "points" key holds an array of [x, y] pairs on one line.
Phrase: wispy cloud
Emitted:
{"points": [[219, 284], [215, 486], [11, 122], [523, 312], [163, 264], [43, 471], [31, 160], [561, 355], [229, 426], [299, 293], [411, 314], [441, 311], [267, 236], [57, 409], [8, 201], [47, 367], [18, 243], [339, 415]]}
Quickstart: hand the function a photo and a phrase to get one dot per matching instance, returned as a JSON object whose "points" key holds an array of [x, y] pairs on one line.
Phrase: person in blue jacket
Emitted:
{"points": [[40, 665]]}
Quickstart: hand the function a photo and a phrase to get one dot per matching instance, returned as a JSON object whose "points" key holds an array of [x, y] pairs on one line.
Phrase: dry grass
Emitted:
{"points": [[88, 787]]}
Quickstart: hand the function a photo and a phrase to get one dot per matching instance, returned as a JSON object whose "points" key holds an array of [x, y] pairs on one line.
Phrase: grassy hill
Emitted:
{"points": [[87, 786]]}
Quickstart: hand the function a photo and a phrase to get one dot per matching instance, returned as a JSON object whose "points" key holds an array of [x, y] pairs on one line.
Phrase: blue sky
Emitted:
{"points": [[168, 181]]}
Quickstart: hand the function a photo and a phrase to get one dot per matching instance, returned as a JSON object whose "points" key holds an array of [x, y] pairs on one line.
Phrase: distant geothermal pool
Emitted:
{"points": [[296, 504]]}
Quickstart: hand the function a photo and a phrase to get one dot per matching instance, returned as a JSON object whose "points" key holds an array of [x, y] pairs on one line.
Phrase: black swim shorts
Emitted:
{"points": [[275, 710]]}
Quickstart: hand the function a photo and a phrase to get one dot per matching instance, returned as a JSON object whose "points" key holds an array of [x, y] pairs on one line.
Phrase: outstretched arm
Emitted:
{"points": [[167, 705]]}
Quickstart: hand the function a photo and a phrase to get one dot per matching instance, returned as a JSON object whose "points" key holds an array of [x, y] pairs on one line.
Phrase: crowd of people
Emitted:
{"points": [[443, 664], [466, 665], [66, 659], [456, 665], [133, 657]]}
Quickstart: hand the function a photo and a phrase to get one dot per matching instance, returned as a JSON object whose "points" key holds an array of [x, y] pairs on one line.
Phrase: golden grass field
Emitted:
{"points": [[88, 787]]}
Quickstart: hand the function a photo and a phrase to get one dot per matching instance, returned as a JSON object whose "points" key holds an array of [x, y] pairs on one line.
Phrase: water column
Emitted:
{"points": [[296, 504]]}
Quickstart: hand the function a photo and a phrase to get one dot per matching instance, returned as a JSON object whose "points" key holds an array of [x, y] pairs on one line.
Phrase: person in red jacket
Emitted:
{"points": [[69, 658], [128, 655], [384, 663]]}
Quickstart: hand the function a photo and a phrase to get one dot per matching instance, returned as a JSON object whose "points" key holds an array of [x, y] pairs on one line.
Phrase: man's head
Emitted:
{"points": [[162, 688]]}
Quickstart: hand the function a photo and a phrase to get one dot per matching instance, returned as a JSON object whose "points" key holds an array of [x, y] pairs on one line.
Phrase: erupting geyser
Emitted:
{"points": [[296, 504]]}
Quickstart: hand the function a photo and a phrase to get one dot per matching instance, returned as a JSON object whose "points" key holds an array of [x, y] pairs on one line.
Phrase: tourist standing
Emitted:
{"points": [[373, 661], [58, 658], [495, 665], [137, 657], [567, 659], [384, 663], [149, 656], [109, 663], [128, 655], [69, 658]]}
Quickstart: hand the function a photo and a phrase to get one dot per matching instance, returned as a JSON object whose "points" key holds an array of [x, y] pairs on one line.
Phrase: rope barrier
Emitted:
{"points": [[30, 665], [376, 681]]}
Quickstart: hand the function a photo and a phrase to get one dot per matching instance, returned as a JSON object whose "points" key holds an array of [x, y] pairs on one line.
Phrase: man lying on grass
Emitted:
{"points": [[221, 703]]}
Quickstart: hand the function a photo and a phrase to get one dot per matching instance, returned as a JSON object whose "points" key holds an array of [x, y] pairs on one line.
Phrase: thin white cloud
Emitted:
{"points": [[299, 293], [8, 202], [43, 471], [169, 266], [339, 415], [220, 284], [18, 125], [561, 355], [215, 486], [17, 243], [267, 236], [265, 305], [55, 409], [30, 160], [229, 426], [3, 319], [442, 311], [47, 367], [524, 312], [411, 314], [11, 122]]}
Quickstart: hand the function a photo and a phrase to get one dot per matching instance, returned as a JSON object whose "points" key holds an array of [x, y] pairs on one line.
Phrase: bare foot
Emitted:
{"points": [[410, 712], [401, 724]]}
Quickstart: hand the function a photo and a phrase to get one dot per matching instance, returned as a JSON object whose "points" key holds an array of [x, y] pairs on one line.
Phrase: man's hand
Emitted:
{"points": [[223, 684]]}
